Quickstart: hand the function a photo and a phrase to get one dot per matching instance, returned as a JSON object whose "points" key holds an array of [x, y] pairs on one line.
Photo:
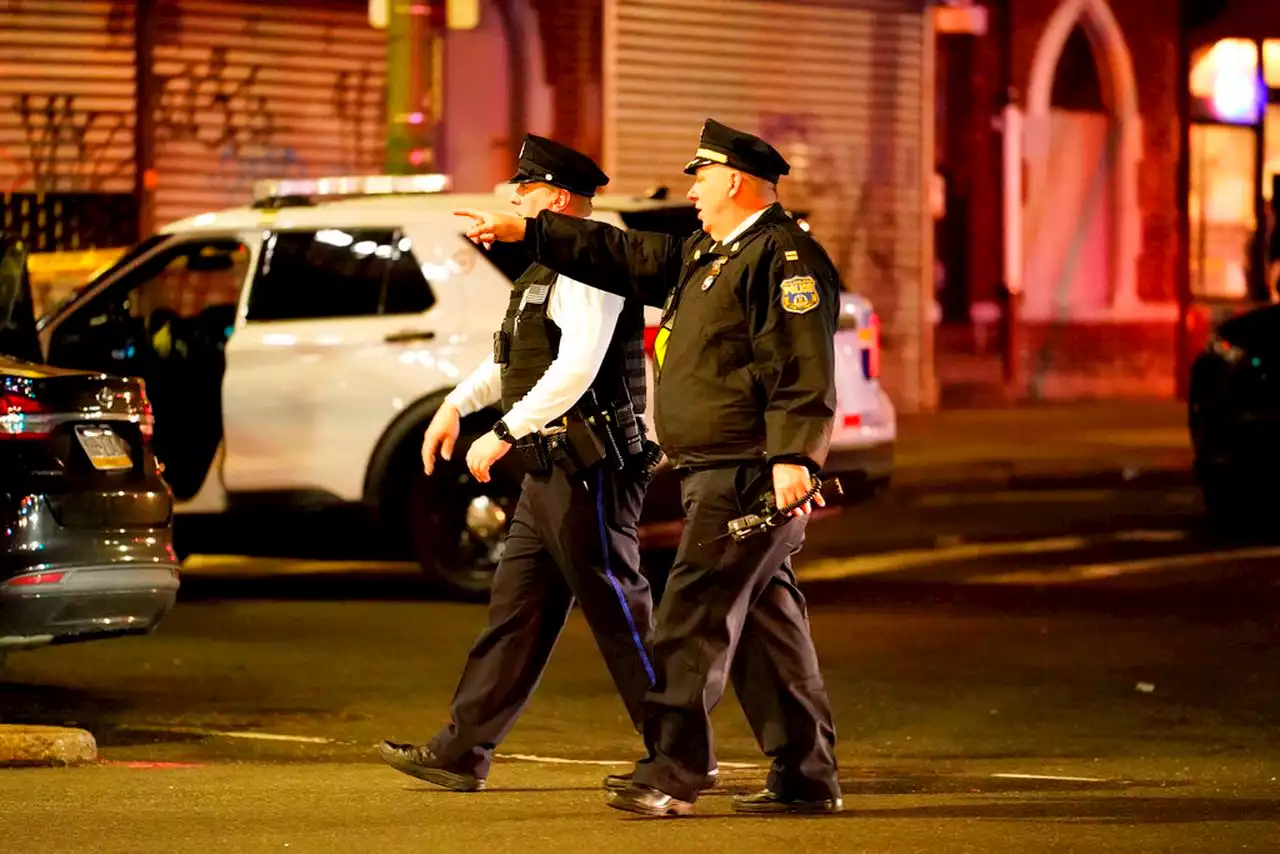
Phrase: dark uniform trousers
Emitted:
{"points": [[568, 541], [736, 602]]}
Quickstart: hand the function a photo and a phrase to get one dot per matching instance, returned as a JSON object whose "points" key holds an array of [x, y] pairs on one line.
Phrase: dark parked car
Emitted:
{"points": [[1234, 417], [85, 516]]}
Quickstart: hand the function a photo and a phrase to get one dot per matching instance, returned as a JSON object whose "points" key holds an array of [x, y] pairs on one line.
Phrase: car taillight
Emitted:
{"points": [[16, 417], [36, 578], [870, 339], [147, 423]]}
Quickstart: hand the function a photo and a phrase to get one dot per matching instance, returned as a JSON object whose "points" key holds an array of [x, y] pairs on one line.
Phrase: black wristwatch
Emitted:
{"points": [[501, 430]]}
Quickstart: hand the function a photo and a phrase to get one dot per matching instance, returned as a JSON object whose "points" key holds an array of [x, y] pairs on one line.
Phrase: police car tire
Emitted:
{"points": [[434, 508]]}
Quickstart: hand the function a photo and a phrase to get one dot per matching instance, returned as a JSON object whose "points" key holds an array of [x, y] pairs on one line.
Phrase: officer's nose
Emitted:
{"points": [[692, 195]]}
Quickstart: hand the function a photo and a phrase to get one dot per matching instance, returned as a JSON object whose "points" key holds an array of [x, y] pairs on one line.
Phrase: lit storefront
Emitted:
{"points": [[1234, 153]]}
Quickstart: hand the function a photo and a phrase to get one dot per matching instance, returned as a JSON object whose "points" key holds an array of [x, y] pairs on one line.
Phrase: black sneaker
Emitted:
{"points": [[417, 760], [768, 802], [621, 782], [647, 800]]}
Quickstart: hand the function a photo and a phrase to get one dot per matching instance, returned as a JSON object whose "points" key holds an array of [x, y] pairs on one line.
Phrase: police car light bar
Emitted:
{"points": [[348, 185]]}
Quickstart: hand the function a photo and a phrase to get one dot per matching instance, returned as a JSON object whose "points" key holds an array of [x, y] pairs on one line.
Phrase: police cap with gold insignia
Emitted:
{"points": [[549, 162], [738, 150]]}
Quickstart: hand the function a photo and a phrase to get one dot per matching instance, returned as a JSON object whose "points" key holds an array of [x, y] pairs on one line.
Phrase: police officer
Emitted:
{"points": [[566, 353], [745, 402]]}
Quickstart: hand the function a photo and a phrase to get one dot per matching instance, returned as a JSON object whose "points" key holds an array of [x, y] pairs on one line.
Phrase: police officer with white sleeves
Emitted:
{"points": [[745, 403]]}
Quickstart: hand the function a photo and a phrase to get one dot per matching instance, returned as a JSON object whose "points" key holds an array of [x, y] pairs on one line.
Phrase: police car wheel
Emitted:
{"points": [[457, 525]]}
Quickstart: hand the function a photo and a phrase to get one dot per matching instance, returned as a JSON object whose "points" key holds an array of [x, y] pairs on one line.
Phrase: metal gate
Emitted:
{"points": [[251, 90], [842, 88]]}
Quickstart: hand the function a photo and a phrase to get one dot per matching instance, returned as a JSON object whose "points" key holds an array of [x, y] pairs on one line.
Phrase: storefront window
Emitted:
{"points": [[1229, 99], [1224, 82], [1221, 210], [1271, 63]]}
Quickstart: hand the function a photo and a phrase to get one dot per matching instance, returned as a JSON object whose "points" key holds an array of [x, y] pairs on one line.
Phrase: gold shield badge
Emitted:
{"points": [[799, 294]]}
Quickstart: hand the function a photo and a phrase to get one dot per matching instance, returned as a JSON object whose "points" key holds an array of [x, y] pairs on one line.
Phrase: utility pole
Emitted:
{"points": [[415, 85], [144, 132]]}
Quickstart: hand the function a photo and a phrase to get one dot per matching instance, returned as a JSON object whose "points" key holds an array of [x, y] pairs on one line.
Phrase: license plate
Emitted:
{"points": [[106, 450]]}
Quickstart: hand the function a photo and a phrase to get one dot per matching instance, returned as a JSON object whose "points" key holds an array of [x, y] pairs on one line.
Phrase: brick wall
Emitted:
{"points": [[1086, 360], [573, 40]]}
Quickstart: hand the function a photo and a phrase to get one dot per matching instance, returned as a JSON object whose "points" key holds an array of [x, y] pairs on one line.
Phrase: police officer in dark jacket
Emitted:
{"points": [[568, 371], [745, 403]]}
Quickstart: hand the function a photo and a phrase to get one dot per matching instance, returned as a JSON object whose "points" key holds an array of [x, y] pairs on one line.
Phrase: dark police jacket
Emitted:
{"points": [[533, 342], [749, 371]]}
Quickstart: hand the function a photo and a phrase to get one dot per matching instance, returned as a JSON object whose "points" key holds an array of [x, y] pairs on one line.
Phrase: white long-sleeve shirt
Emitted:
{"points": [[587, 317]]}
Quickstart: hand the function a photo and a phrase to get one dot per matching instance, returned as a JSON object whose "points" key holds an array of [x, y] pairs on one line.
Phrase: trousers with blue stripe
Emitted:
{"points": [[570, 540]]}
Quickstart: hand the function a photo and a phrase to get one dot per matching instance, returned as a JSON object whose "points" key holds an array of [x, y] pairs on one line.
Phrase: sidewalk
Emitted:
{"points": [[1099, 442]]}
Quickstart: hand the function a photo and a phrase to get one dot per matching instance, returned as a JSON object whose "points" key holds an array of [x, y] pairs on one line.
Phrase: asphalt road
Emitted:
{"points": [[1077, 670]]}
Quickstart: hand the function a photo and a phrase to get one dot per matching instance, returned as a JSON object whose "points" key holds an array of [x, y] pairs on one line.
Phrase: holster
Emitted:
{"points": [[536, 453], [594, 435], [575, 447]]}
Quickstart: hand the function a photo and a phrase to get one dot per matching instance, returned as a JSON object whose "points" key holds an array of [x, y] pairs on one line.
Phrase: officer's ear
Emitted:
{"points": [[736, 182], [561, 201]]}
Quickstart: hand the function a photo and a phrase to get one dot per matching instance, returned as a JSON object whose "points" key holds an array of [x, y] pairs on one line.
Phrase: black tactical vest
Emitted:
{"points": [[534, 340]]}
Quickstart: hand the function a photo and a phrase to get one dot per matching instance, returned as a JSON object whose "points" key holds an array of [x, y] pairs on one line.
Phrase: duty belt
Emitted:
{"points": [[590, 435]]}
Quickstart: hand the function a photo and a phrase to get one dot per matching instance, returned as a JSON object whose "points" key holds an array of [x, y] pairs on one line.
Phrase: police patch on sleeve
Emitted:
{"points": [[799, 294]]}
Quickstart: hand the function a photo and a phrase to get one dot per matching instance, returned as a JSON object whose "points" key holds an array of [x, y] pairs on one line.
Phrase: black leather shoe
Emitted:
{"points": [[647, 800], [620, 782], [767, 802], [417, 760]]}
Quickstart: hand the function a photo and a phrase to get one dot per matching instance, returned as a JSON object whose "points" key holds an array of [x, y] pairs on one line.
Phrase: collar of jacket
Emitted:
{"points": [[774, 213]]}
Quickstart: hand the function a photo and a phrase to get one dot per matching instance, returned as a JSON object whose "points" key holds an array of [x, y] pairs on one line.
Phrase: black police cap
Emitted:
{"points": [[547, 161], [738, 150]]}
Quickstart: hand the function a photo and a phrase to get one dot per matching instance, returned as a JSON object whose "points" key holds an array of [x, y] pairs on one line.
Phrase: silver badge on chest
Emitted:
{"points": [[710, 280]]}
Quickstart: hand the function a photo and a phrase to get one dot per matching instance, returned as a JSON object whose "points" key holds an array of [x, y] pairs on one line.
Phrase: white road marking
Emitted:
{"points": [[1095, 571], [557, 760], [834, 569], [1049, 777], [313, 739], [258, 736]]}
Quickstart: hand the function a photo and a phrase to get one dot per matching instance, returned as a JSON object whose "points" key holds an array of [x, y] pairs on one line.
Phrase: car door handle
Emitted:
{"points": [[409, 335]]}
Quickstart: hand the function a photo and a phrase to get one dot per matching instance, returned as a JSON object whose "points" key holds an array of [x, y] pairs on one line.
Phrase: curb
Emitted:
{"points": [[47, 746], [1010, 474]]}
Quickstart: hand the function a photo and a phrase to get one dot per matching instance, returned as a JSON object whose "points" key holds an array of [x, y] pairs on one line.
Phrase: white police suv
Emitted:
{"points": [[295, 349]]}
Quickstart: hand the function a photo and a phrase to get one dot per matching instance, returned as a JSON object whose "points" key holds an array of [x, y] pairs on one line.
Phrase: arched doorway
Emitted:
{"points": [[1082, 147]]}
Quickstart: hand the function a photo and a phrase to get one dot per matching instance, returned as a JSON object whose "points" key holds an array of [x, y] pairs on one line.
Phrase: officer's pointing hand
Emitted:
{"points": [[488, 226], [790, 484]]}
